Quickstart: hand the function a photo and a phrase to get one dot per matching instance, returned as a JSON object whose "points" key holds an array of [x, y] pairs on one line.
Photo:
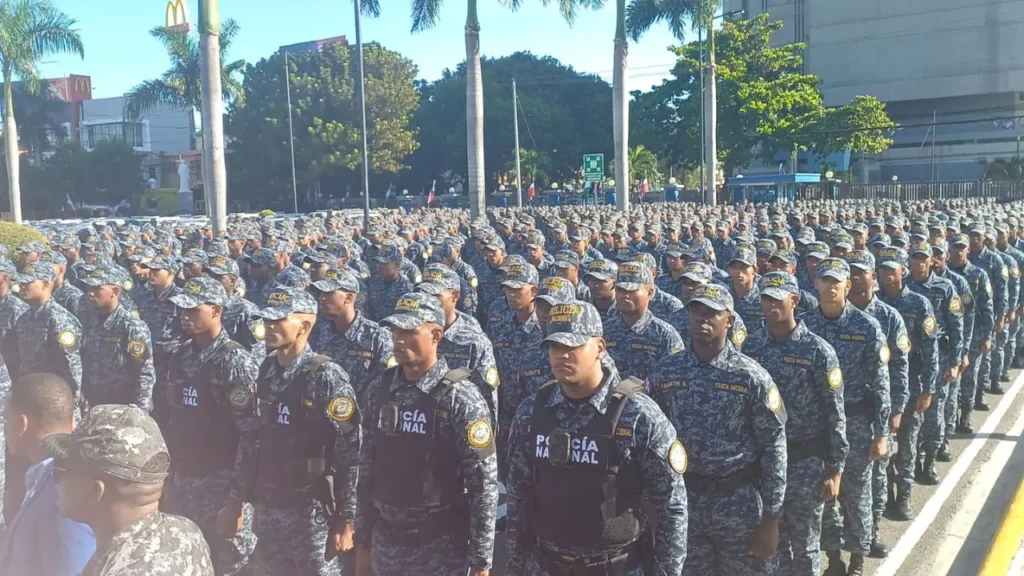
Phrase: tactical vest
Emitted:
{"points": [[583, 496], [413, 466], [201, 432], [292, 455]]}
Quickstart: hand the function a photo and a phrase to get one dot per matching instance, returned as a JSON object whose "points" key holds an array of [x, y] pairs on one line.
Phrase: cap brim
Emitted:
{"points": [[600, 276], [709, 303], [23, 279], [563, 264], [326, 286], [818, 255], [568, 339], [777, 293], [551, 299], [861, 266], [403, 321], [927, 254], [186, 301], [695, 277], [628, 286], [430, 288], [218, 270], [273, 313], [841, 276]]}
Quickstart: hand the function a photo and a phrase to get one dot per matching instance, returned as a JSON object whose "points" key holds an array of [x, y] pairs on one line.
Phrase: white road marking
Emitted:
{"points": [[921, 524]]}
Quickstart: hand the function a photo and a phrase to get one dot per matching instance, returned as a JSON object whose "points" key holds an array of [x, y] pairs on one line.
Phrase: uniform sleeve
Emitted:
{"points": [[663, 461], [964, 289], [519, 484], [983, 312], [769, 420], [953, 322], [899, 365], [242, 370], [999, 276], [471, 429], [383, 352], [485, 374], [929, 350], [67, 334], [1012, 285], [877, 373], [339, 416], [140, 350], [366, 514], [828, 376], [673, 341]]}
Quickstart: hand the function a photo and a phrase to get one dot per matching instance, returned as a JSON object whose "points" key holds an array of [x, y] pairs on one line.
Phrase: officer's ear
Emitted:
{"points": [[115, 290], [217, 311], [533, 292], [601, 348], [795, 299], [730, 320]]}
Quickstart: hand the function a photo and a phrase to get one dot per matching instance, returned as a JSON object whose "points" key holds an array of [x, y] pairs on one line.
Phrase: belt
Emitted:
{"points": [[862, 408], [800, 450], [614, 563], [705, 485]]}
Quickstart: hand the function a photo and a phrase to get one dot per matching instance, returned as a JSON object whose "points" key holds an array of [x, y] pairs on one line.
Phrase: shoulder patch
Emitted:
{"points": [[677, 460], [739, 336], [479, 434], [259, 330], [835, 378], [903, 343], [67, 339], [473, 282], [391, 363], [128, 285], [136, 348], [988, 287], [491, 377], [774, 399], [928, 325], [956, 306], [1015, 272], [1005, 273], [240, 398], [884, 354], [340, 409], [134, 313]]}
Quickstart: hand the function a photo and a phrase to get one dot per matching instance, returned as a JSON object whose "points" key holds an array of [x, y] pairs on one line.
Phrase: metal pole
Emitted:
{"points": [[700, 44], [519, 173], [291, 134], [711, 122], [362, 109]]}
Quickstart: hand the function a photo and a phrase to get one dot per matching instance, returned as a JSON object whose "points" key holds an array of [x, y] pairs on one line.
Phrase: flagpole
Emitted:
{"points": [[519, 174], [362, 105]]}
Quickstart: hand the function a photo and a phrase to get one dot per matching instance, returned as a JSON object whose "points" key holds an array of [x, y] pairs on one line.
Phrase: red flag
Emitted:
{"points": [[643, 187], [430, 197], [531, 192]]}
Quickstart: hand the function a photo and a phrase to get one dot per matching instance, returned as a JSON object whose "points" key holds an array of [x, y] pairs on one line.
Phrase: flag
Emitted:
{"points": [[644, 187], [69, 202], [531, 192], [388, 193], [430, 196]]}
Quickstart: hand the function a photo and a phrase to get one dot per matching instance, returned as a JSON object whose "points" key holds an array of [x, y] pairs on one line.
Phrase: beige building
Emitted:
{"points": [[959, 62]]}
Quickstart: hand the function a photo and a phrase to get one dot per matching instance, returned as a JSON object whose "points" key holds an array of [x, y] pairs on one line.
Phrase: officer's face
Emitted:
{"points": [[741, 273], [861, 281], [831, 290], [920, 266], [938, 261], [891, 278], [193, 270], [575, 365], [778, 311], [780, 265], [689, 287], [977, 242], [535, 253], [707, 326], [201, 319], [520, 298], [413, 346], [333, 303], [762, 262], [103, 297], [160, 279], [388, 270], [633, 301], [284, 332], [34, 291], [840, 251], [236, 246], [601, 289], [958, 256], [675, 263], [318, 271]]}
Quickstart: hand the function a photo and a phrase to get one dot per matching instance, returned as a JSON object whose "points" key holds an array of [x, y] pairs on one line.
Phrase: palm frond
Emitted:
{"points": [[52, 32], [228, 31], [641, 15], [370, 8], [148, 95], [425, 14]]}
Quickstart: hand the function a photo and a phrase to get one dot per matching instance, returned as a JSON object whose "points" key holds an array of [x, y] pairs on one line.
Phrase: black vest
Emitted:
{"points": [[201, 430], [413, 466], [583, 496]]}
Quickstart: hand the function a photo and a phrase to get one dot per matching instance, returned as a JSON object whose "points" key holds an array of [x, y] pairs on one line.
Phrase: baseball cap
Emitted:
{"points": [[676, 249], [961, 240], [834, 268], [494, 242], [555, 290], [415, 309], [745, 255], [198, 291], [713, 296], [766, 247], [787, 255], [222, 265], [438, 277], [387, 253], [195, 256], [284, 301], [161, 263], [633, 275], [93, 275], [33, 246], [116, 440], [940, 245], [574, 324], [35, 271], [602, 269], [818, 250], [335, 279], [566, 258], [892, 257], [534, 239], [861, 259], [7, 267], [779, 285], [697, 271], [920, 248], [519, 275]]}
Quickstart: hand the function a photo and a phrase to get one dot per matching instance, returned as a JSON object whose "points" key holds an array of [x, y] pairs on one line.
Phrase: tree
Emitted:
{"points": [[326, 119], [30, 30], [534, 165], [766, 104], [40, 118]]}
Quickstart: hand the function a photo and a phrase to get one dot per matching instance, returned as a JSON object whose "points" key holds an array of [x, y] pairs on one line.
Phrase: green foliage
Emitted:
{"points": [[642, 164], [766, 103], [1006, 169], [13, 235], [326, 118], [266, 213], [535, 168]]}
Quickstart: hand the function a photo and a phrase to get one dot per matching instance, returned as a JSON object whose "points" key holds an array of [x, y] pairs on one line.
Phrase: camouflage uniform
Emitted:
{"points": [[637, 348], [385, 293], [11, 308], [700, 272], [730, 416], [981, 294], [999, 348], [212, 430], [239, 316], [555, 518], [428, 475], [998, 276], [465, 346], [963, 290]]}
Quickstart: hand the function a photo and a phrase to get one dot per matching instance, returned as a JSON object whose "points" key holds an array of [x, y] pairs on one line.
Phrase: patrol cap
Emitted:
{"points": [[633, 275], [892, 257], [978, 228], [7, 267], [787, 255], [676, 249], [579, 234], [222, 265], [602, 269], [494, 242], [920, 249], [574, 324], [117, 440], [960, 240], [713, 296], [321, 257], [744, 255], [438, 277], [817, 250], [284, 301], [766, 246], [834, 268], [387, 253], [566, 259], [519, 275], [103, 276], [861, 259], [335, 279], [161, 263], [779, 285], [534, 239], [52, 257], [195, 256], [939, 245], [415, 309], [33, 246], [882, 239], [697, 272], [35, 271], [198, 291], [555, 290]]}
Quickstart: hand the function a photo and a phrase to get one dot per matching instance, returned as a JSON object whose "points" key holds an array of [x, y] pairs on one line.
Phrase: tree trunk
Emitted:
{"points": [[213, 116], [620, 109], [13, 156], [475, 116], [711, 122]]}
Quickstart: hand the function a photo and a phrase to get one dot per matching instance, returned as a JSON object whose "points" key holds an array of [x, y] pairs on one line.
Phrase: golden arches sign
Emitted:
{"points": [[177, 14]]}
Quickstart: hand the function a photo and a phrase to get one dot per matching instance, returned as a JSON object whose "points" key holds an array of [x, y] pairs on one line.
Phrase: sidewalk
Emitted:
{"points": [[1006, 555]]}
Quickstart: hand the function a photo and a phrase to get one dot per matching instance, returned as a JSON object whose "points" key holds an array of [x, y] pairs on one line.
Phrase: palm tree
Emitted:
{"points": [[40, 118], [30, 30], [643, 164]]}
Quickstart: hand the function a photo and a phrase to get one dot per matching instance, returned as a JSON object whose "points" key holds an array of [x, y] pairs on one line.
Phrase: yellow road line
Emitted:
{"points": [[1008, 539]]}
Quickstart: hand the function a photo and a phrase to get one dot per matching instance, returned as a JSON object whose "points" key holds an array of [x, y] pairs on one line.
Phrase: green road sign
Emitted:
{"points": [[593, 167]]}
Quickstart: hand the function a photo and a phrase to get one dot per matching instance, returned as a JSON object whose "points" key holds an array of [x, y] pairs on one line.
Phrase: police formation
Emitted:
{"points": [[678, 390]]}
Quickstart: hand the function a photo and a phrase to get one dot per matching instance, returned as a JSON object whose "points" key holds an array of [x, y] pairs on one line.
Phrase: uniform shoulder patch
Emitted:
{"points": [[928, 325], [774, 399], [136, 348], [479, 433], [988, 287], [739, 336], [259, 330], [134, 314], [491, 377], [417, 278], [835, 378], [473, 282], [1015, 272], [1005, 273], [240, 397], [677, 459], [956, 306], [884, 354], [128, 285], [391, 363], [903, 343], [340, 409], [67, 339]]}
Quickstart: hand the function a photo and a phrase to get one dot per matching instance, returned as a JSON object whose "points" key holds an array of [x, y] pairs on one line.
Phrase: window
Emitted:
{"points": [[130, 132]]}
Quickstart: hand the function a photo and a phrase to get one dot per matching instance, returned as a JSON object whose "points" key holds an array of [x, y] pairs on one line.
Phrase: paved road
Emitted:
{"points": [[956, 521]]}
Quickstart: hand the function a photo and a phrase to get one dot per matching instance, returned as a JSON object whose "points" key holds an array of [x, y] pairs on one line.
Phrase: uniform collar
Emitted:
{"points": [[641, 325], [723, 361], [212, 348], [115, 314], [599, 400], [427, 382]]}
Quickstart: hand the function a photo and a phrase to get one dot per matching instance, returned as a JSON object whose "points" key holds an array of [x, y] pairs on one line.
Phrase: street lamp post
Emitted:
{"points": [[291, 134]]}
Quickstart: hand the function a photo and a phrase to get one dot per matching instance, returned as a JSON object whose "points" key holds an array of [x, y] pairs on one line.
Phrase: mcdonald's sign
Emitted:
{"points": [[176, 15]]}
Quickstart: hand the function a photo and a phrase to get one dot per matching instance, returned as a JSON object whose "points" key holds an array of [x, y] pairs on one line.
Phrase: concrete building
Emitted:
{"points": [[950, 71], [312, 46]]}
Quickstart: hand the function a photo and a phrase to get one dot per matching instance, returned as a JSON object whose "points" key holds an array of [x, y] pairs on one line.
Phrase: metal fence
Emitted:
{"points": [[1001, 191]]}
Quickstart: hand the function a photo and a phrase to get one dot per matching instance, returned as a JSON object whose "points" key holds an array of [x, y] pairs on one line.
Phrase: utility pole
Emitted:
{"points": [[362, 107], [519, 173], [291, 134], [703, 157], [711, 121]]}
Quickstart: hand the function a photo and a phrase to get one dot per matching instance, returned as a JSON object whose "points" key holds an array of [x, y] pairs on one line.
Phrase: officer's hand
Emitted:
{"points": [[986, 346], [894, 422], [924, 401], [339, 540], [999, 325], [830, 488], [363, 562], [765, 539], [229, 519], [879, 448], [951, 373], [964, 364]]}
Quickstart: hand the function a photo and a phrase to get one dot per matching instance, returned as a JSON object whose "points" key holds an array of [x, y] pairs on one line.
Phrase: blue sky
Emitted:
{"points": [[120, 53]]}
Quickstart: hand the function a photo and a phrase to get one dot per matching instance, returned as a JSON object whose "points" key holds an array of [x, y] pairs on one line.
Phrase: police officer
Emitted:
{"points": [[742, 270], [567, 265], [388, 283], [212, 425], [428, 469], [940, 257], [65, 293], [695, 275], [117, 350], [600, 277], [444, 253], [981, 337], [674, 263], [730, 415], [584, 450], [359, 345], [811, 383], [661, 303], [863, 357], [239, 316], [1015, 265], [551, 292], [164, 320], [999, 277], [118, 451], [634, 337], [307, 453]]}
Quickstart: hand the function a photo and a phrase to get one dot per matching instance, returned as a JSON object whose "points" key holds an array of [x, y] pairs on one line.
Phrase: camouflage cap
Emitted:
{"points": [[744, 255], [520, 275], [321, 257], [534, 239], [766, 246], [834, 268], [198, 291], [713, 296], [438, 277], [920, 249], [861, 259], [574, 324], [697, 272], [52, 257], [284, 301], [494, 242], [892, 257], [817, 250], [7, 267], [579, 234], [415, 309], [387, 253], [222, 265], [633, 275], [602, 269], [676, 249], [33, 246], [195, 256], [787, 255], [566, 258], [35, 271], [114, 440], [335, 279], [939, 245], [779, 285], [555, 290], [141, 255], [882, 239], [161, 263], [960, 240], [92, 275]]}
